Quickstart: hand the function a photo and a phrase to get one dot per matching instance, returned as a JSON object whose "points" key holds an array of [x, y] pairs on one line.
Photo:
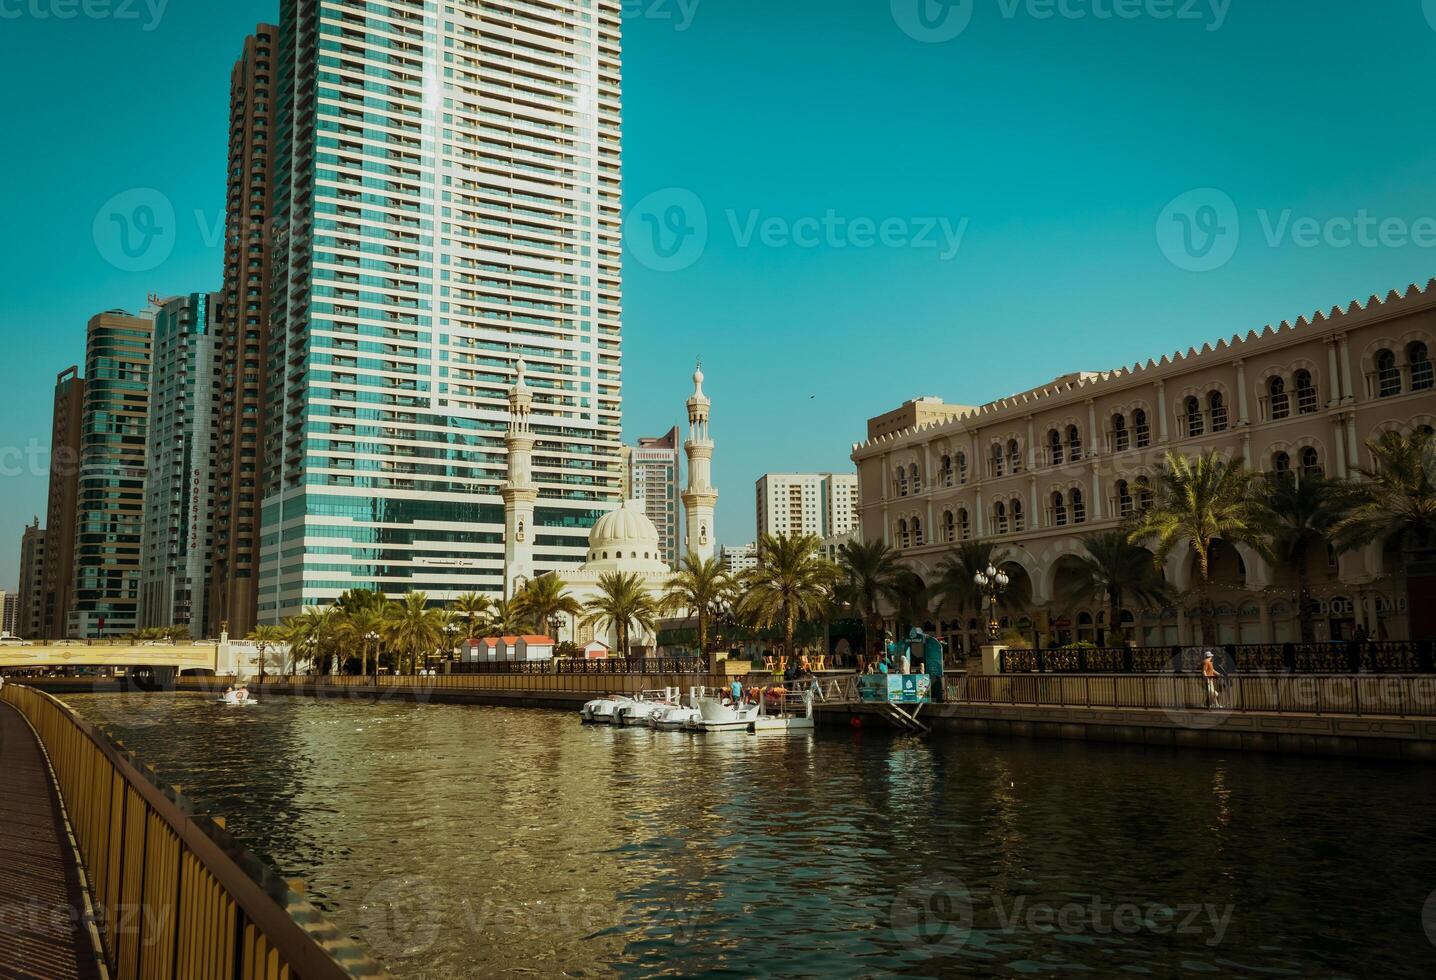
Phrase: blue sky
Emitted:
{"points": [[880, 199]]}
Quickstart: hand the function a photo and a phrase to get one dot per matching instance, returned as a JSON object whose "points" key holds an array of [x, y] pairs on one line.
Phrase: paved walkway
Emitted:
{"points": [[42, 933]]}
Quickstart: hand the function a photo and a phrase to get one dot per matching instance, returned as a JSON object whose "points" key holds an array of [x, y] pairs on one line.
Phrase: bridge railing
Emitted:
{"points": [[1381, 695], [175, 894], [1371, 656]]}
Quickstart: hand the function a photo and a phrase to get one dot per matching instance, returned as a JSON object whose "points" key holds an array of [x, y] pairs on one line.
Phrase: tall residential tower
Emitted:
{"points": [[653, 477], [57, 571], [447, 188]]}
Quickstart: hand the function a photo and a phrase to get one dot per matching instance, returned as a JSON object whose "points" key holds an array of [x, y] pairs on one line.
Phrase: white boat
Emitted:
{"points": [[716, 715], [674, 718], [635, 712], [237, 698], [599, 711]]}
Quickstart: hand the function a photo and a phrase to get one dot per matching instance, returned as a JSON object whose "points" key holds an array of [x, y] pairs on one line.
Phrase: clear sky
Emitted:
{"points": [[839, 204]]}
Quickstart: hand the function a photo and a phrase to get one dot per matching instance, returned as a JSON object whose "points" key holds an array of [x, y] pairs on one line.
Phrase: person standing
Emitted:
{"points": [[1209, 671]]}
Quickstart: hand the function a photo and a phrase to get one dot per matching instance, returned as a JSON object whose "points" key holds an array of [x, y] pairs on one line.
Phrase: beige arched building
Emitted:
{"points": [[1036, 472]]}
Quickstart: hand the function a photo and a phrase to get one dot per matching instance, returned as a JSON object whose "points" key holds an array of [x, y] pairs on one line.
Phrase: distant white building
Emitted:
{"points": [[821, 504], [739, 559]]}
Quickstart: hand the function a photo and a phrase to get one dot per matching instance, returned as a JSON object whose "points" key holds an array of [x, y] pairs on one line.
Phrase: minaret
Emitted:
{"points": [[700, 497], [519, 492]]}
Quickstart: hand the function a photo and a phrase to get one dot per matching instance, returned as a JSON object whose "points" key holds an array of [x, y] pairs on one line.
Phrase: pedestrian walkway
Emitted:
{"points": [[42, 929]]}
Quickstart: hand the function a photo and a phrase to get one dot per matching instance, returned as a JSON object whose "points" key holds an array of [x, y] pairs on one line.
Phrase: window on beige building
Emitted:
{"points": [[1079, 509], [1388, 376], [1018, 525], [1218, 411], [1195, 424], [1014, 456], [999, 518], [1141, 429], [1121, 437], [1306, 397], [1418, 359], [1054, 447]]}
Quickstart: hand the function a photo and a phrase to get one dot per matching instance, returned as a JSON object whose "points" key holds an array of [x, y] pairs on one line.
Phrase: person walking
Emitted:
{"points": [[1209, 671]]}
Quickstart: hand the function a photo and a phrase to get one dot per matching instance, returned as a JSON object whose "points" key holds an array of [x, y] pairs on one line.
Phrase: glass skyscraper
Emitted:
{"points": [[447, 183]]}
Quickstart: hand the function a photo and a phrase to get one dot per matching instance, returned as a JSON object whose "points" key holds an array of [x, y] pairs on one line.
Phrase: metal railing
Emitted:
{"points": [[549, 683], [1384, 695], [175, 894], [579, 665], [1290, 658]]}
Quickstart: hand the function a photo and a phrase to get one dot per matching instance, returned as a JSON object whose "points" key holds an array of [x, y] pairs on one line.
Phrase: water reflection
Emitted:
{"points": [[468, 842]]}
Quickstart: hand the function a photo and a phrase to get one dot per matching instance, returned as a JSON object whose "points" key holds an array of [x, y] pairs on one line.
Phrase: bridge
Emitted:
{"points": [[41, 655]]}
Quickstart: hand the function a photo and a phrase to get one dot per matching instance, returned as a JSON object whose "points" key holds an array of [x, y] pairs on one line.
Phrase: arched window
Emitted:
{"points": [[1145, 496], [995, 460], [1388, 376], [1121, 438], [1079, 509], [1141, 429], [962, 467], [917, 533], [964, 525], [1018, 524], [900, 480], [1418, 359], [904, 539], [1218, 408], [1278, 401], [1014, 456], [914, 478], [949, 527], [947, 471], [1306, 399], [1281, 464], [1195, 425], [999, 518], [1311, 463], [1059, 510], [1074, 443], [1054, 447], [1124, 499]]}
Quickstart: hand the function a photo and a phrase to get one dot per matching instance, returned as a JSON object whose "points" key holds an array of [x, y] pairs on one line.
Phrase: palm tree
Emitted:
{"points": [[473, 607], [700, 588], [545, 598], [1198, 501], [447, 627], [956, 575], [413, 629], [792, 581], [264, 638], [870, 573], [363, 626], [309, 633], [1306, 512], [506, 618], [623, 602], [1397, 498], [1113, 570]]}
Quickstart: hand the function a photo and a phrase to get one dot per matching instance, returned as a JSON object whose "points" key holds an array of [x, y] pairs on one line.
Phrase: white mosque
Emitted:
{"points": [[623, 540]]}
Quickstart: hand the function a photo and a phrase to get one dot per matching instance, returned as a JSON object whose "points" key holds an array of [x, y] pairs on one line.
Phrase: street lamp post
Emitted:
{"points": [[993, 583]]}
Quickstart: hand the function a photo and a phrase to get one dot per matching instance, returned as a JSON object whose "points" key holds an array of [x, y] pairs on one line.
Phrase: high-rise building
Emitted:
{"points": [[109, 513], [652, 478], [447, 193], [176, 554], [9, 613], [32, 582], [242, 336], [824, 505], [57, 572], [738, 559]]}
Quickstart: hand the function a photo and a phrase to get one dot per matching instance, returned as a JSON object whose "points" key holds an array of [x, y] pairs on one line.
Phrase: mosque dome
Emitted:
{"points": [[625, 540]]}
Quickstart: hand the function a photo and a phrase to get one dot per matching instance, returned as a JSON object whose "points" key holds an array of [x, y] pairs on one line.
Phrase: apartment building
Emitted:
{"points": [[821, 504]]}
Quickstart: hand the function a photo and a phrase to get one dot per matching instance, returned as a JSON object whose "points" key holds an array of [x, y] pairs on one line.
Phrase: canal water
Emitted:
{"points": [[477, 842]]}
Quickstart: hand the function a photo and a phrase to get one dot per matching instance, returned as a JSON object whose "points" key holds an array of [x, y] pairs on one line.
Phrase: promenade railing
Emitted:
{"points": [[176, 896], [1367, 695], [1384, 657], [579, 665]]}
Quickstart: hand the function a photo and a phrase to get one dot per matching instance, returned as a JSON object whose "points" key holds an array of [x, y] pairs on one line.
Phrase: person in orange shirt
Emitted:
{"points": [[1209, 671]]}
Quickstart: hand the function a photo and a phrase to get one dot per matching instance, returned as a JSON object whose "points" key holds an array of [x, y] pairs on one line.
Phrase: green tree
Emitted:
{"points": [[622, 603], [265, 638], [1113, 570], [1197, 502], [701, 588], [544, 598], [1397, 497], [956, 585], [870, 574], [792, 581], [474, 608], [359, 618], [413, 630], [1306, 513], [506, 618]]}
